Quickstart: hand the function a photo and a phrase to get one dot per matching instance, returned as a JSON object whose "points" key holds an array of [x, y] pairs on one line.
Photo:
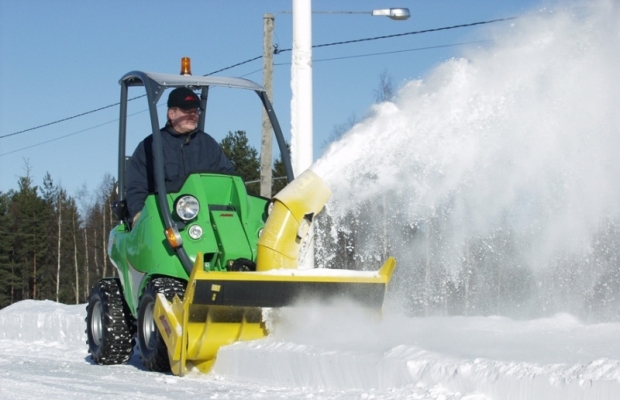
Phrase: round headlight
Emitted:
{"points": [[195, 232], [270, 207], [187, 207]]}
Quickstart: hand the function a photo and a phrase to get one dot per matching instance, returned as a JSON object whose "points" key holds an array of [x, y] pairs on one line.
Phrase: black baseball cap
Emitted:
{"points": [[183, 98]]}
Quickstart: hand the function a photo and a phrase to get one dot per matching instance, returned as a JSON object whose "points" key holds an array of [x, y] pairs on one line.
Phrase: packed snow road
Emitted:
{"points": [[328, 354]]}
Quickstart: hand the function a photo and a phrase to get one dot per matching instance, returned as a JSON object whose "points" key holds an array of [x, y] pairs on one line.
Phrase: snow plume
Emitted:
{"points": [[335, 326], [493, 181]]}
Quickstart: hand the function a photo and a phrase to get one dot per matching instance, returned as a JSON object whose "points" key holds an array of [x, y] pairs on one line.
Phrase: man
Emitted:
{"points": [[186, 149]]}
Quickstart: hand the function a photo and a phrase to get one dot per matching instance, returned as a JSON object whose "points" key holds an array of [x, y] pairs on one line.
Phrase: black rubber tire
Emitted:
{"points": [[110, 327], [152, 346]]}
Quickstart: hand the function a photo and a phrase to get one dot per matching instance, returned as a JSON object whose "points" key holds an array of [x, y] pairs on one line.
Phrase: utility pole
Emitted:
{"points": [[267, 136]]}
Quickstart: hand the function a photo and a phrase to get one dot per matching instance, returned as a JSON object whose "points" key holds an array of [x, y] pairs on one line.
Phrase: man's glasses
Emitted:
{"points": [[196, 111]]}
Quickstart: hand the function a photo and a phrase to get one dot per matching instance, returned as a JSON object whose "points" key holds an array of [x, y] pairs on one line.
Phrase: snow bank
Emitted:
{"points": [[48, 321], [551, 358], [289, 364]]}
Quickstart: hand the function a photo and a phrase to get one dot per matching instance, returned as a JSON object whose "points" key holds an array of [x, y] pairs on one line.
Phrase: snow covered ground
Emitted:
{"points": [[323, 353], [468, 131]]}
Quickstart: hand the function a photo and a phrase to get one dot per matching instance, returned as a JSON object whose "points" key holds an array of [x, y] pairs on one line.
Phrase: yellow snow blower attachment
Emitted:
{"points": [[222, 307]]}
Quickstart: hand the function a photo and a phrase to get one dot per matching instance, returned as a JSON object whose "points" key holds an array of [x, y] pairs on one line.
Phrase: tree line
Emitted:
{"points": [[54, 245]]}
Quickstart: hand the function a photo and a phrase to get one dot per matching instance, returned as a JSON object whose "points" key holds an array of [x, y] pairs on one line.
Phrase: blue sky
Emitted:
{"points": [[59, 59]]}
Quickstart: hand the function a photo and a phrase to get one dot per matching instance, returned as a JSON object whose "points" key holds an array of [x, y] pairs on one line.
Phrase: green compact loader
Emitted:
{"points": [[199, 265]]}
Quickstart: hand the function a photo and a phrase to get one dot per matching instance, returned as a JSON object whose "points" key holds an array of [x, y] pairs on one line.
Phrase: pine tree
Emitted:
{"points": [[31, 238], [71, 258], [53, 196], [8, 279], [244, 159]]}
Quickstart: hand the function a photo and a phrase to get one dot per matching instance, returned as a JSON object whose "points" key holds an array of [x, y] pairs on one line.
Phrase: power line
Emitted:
{"points": [[70, 134], [55, 139], [276, 51], [398, 51], [407, 33], [317, 60], [232, 66], [105, 107], [67, 119], [253, 72]]}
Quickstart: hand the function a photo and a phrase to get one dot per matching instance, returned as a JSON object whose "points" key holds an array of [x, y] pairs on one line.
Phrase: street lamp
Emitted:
{"points": [[397, 14]]}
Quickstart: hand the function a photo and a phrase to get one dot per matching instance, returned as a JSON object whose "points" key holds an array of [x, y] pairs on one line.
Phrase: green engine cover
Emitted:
{"points": [[229, 218]]}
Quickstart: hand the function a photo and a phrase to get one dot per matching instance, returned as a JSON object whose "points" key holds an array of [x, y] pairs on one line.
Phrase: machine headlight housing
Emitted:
{"points": [[187, 207], [195, 232], [270, 207]]}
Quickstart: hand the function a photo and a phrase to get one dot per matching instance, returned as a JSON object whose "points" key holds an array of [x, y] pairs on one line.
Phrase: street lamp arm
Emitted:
{"points": [[342, 12], [397, 14]]}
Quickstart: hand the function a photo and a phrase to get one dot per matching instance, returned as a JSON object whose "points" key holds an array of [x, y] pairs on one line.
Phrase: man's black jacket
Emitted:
{"points": [[183, 155]]}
